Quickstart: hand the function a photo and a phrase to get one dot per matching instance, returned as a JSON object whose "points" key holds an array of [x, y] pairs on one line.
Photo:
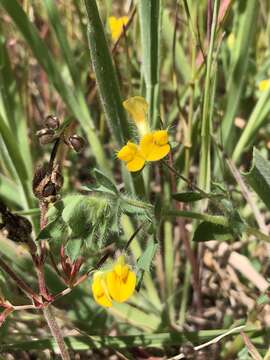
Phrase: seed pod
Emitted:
{"points": [[76, 143], [47, 182], [46, 136], [52, 122]]}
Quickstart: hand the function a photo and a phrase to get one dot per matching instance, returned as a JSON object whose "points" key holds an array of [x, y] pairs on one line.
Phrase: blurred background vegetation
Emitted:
{"points": [[201, 66]]}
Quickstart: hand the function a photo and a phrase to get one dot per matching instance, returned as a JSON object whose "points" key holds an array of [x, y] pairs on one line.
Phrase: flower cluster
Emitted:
{"points": [[153, 145], [116, 25], [117, 284]]}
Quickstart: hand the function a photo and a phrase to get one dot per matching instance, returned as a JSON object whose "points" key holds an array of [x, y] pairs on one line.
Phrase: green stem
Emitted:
{"points": [[215, 219], [137, 203], [35, 211]]}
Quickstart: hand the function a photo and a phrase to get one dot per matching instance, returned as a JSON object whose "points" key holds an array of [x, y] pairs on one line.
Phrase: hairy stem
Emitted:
{"points": [[47, 311], [56, 332]]}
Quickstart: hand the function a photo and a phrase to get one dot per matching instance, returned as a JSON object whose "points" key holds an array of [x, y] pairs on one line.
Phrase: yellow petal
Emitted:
{"points": [[264, 85], [121, 271], [124, 20], [136, 164], [100, 291], [137, 108], [127, 152], [147, 145], [132, 156], [158, 152], [161, 137], [154, 146], [121, 290]]}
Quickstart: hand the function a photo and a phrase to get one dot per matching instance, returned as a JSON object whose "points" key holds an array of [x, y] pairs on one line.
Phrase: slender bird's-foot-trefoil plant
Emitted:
{"points": [[153, 145]]}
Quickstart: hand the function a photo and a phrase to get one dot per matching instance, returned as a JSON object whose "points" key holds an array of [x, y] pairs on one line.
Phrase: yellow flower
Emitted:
{"points": [[154, 146], [137, 107], [116, 25], [117, 284], [131, 155], [264, 85], [121, 281]]}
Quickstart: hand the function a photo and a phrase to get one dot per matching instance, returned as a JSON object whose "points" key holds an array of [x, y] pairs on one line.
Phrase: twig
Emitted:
{"points": [[190, 184], [251, 348]]}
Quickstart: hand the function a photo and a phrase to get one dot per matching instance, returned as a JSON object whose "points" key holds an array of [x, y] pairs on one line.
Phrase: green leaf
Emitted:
{"points": [[104, 181], [56, 230], [189, 196], [208, 231], [259, 177], [73, 248], [90, 218], [78, 214], [145, 260]]}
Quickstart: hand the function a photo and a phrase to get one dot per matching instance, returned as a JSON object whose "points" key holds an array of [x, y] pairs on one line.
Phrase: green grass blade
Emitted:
{"points": [[239, 63], [149, 12], [12, 108], [205, 162], [17, 160], [55, 21], [105, 76], [160, 340], [9, 190]]}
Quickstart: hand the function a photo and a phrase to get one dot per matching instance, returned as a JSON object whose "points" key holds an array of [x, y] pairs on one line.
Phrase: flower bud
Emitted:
{"points": [[46, 136], [76, 142], [52, 122]]}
